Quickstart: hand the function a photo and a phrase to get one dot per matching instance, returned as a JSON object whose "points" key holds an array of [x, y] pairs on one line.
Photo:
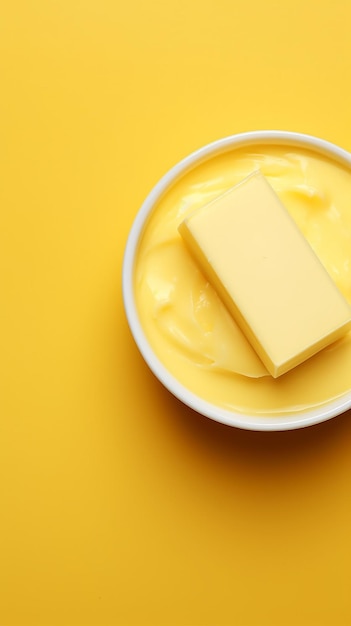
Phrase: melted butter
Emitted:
{"points": [[187, 325]]}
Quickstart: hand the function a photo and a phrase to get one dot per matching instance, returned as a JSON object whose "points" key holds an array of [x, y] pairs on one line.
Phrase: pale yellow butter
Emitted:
{"points": [[267, 274]]}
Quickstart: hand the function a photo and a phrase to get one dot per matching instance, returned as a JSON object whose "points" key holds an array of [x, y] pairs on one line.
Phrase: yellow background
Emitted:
{"points": [[119, 506]]}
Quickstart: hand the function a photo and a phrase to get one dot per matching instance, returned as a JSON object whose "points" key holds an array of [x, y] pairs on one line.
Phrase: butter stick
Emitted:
{"points": [[277, 290]]}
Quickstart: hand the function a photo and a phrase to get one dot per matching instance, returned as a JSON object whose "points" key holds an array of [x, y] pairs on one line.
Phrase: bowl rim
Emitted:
{"points": [[246, 421]]}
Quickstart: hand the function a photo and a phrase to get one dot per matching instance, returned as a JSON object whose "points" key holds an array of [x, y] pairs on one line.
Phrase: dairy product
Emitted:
{"points": [[186, 323], [267, 274]]}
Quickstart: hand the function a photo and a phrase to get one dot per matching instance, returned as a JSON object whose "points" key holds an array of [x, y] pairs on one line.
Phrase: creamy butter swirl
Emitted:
{"points": [[186, 322]]}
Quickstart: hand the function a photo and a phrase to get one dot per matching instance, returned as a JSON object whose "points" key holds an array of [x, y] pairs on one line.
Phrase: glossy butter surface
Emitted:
{"points": [[183, 318]]}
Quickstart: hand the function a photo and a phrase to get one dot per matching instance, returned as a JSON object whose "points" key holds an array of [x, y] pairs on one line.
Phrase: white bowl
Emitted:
{"points": [[231, 418]]}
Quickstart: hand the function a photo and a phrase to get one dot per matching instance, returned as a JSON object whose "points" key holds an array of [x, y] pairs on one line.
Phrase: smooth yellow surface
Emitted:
{"points": [[266, 272], [185, 320], [118, 505]]}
